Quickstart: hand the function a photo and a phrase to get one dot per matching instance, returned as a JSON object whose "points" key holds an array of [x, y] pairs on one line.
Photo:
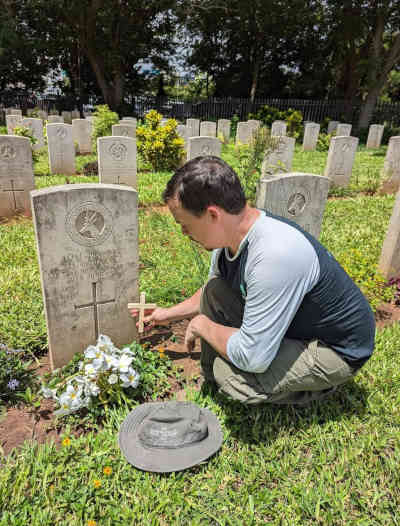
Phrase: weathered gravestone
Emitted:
{"points": [[61, 148], [311, 133], [129, 120], [341, 155], [278, 128], [53, 119], [208, 129], [13, 111], [296, 196], [117, 160], [193, 127], [343, 130], [280, 159], [244, 133], [182, 131], [87, 242], [81, 131], [42, 115], [12, 122], [389, 262], [16, 175], [332, 126], [75, 114], [391, 167], [375, 134], [124, 130], [67, 116], [203, 146], [36, 127], [224, 129]]}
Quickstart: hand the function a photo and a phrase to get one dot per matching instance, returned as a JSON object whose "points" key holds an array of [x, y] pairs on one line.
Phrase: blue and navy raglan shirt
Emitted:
{"points": [[292, 287]]}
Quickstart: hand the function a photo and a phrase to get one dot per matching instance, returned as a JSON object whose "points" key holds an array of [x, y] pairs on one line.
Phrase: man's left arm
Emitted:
{"points": [[213, 333]]}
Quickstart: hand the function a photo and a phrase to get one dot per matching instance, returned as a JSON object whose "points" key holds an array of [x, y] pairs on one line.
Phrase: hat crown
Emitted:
{"points": [[174, 427]]}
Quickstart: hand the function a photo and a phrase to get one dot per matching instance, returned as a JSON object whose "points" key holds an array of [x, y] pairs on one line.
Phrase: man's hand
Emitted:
{"points": [[193, 332], [152, 317]]}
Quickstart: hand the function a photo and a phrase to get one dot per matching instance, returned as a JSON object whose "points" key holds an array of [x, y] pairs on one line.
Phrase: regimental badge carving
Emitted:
{"points": [[345, 147], [61, 132], [206, 150], [118, 151], [89, 224], [296, 204], [7, 152]]}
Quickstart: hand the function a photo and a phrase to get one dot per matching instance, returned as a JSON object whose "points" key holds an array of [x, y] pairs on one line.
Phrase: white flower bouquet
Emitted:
{"points": [[104, 371]]}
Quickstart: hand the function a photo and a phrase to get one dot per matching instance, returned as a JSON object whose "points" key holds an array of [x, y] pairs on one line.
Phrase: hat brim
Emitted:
{"points": [[163, 460]]}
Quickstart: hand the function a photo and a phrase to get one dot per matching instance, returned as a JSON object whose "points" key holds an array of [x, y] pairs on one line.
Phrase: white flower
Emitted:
{"points": [[126, 350], [111, 361], [131, 379], [90, 371], [112, 379], [91, 352], [104, 343], [92, 389], [49, 393], [124, 363]]}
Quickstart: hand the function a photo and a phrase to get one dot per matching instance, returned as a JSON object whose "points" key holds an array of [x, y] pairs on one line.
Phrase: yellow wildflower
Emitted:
{"points": [[91, 522], [66, 442], [97, 483], [107, 470]]}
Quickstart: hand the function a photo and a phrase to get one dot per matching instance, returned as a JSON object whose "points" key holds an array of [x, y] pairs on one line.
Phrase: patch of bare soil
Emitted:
{"points": [[18, 424], [387, 314]]}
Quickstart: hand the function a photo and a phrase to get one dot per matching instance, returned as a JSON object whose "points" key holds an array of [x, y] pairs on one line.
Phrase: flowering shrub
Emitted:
{"points": [[14, 374], [104, 118], [161, 146], [105, 375]]}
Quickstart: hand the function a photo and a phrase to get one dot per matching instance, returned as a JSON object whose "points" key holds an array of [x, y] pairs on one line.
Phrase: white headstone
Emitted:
{"points": [[12, 122], [129, 120], [61, 148], [13, 111], [67, 115], [224, 129], [311, 133], [36, 127], [391, 167], [296, 196], [193, 127], [87, 242], [16, 175], [279, 160], [42, 114], [117, 160], [75, 114], [343, 130], [124, 130], [203, 146], [244, 133], [55, 119], [254, 126], [375, 134], [389, 262], [81, 131], [208, 129], [341, 155], [181, 130], [278, 128], [332, 126]]}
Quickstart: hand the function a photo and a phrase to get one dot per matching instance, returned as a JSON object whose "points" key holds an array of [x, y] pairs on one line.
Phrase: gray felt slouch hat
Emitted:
{"points": [[169, 436]]}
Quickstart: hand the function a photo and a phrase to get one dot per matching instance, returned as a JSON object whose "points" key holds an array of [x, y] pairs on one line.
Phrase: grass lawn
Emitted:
{"points": [[333, 463]]}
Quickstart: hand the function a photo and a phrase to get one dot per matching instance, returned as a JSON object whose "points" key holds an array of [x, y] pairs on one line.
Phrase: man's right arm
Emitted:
{"points": [[186, 309]]}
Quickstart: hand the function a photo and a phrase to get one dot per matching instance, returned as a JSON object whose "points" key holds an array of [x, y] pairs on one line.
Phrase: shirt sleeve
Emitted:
{"points": [[214, 271], [277, 282]]}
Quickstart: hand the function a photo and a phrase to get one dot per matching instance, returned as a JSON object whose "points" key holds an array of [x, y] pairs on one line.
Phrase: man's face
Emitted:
{"points": [[200, 229]]}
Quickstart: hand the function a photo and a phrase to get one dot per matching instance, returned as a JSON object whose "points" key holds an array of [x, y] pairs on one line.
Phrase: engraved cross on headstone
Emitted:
{"points": [[94, 305], [141, 307], [13, 190]]}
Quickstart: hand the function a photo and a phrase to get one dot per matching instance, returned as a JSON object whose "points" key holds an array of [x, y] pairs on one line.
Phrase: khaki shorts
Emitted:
{"points": [[301, 372]]}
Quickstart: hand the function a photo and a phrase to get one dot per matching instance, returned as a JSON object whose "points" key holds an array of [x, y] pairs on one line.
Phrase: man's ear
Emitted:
{"points": [[214, 211]]}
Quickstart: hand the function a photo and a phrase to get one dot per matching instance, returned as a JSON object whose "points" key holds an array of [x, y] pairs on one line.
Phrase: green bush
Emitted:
{"points": [[269, 114], [161, 146], [324, 140], [103, 121], [23, 131]]}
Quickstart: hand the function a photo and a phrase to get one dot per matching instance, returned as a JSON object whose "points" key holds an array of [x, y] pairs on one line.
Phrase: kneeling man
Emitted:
{"points": [[279, 319]]}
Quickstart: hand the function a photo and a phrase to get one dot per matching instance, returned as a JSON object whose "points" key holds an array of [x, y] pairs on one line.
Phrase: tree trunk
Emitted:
{"points": [[254, 83], [368, 107]]}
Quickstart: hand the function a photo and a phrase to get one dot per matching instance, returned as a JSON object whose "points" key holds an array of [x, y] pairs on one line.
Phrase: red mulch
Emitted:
{"points": [[19, 424]]}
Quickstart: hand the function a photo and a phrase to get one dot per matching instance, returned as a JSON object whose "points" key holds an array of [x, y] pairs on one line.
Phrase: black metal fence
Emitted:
{"points": [[211, 108]]}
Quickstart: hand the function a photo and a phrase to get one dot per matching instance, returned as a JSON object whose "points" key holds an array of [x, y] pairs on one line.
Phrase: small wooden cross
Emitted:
{"points": [[142, 306]]}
